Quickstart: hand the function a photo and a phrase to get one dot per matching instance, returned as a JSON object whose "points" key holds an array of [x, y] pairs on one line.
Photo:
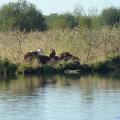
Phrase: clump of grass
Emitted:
{"points": [[114, 60], [48, 69], [28, 69], [23, 68], [108, 65], [7, 67], [67, 65], [85, 68]]}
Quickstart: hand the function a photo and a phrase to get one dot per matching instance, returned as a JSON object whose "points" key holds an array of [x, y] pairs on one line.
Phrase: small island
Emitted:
{"points": [[36, 63]]}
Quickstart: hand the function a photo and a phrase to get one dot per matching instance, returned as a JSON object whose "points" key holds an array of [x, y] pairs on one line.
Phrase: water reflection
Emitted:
{"points": [[26, 85], [60, 97]]}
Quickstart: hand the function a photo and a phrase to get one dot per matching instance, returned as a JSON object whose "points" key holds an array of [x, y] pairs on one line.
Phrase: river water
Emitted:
{"points": [[60, 98]]}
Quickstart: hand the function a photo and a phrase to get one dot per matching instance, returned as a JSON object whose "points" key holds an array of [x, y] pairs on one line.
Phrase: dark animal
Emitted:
{"points": [[43, 59], [48, 59], [53, 56], [33, 54], [65, 56], [30, 55], [68, 56]]}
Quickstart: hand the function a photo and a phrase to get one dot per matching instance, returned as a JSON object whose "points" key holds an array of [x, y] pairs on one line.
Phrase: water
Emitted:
{"points": [[60, 98]]}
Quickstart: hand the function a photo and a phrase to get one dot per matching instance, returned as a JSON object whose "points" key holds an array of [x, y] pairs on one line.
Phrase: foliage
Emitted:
{"points": [[110, 64], [48, 69], [22, 16], [71, 20], [6, 67], [24, 68], [55, 21], [111, 16], [67, 65]]}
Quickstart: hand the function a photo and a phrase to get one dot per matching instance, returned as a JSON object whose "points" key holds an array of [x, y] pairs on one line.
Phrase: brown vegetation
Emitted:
{"points": [[88, 45]]}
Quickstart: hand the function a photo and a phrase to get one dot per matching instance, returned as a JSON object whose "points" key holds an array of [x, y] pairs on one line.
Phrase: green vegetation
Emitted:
{"points": [[92, 37], [6, 67], [108, 17], [112, 64], [109, 65], [111, 16], [24, 16], [28, 69], [67, 65], [55, 21], [21, 16], [48, 69]]}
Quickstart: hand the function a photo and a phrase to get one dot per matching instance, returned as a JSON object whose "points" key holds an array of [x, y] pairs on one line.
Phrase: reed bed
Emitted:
{"points": [[88, 44]]}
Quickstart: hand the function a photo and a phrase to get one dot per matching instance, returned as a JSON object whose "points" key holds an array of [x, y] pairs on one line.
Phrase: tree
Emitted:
{"points": [[55, 21], [22, 16], [111, 16], [88, 22], [78, 10], [71, 20]]}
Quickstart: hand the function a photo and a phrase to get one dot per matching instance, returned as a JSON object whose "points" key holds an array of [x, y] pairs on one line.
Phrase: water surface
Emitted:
{"points": [[60, 98]]}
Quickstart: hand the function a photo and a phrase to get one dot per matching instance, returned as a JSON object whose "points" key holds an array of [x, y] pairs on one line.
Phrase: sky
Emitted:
{"points": [[62, 6]]}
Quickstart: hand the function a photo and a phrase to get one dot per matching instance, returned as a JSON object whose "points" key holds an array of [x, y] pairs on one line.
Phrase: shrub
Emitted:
{"points": [[48, 69], [67, 65], [110, 64], [24, 69], [7, 67]]}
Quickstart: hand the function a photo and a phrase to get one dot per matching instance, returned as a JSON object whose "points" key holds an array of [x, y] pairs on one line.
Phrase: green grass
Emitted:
{"points": [[28, 69], [7, 67], [108, 65], [111, 64]]}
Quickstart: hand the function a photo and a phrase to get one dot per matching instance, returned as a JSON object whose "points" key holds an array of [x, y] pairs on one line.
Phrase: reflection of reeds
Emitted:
{"points": [[87, 44], [27, 85]]}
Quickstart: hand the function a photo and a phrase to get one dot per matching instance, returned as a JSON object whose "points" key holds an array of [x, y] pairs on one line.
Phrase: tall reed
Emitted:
{"points": [[88, 44]]}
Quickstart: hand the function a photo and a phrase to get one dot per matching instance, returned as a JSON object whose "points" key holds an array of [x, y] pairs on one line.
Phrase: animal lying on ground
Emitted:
{"points": [[48, 59], [40, 51], [33, 54], [43, 59], [67, 56], [39, 54], [53, 56]]}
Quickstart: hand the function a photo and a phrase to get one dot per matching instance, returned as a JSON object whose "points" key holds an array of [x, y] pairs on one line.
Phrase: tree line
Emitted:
{"points": [[24, 16]]}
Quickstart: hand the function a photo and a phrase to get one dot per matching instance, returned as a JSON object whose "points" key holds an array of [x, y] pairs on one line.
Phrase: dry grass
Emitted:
{"points": [[89, 45]]}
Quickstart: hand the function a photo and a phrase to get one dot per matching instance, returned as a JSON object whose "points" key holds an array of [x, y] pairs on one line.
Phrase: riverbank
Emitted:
{"points": [[111, 64]]}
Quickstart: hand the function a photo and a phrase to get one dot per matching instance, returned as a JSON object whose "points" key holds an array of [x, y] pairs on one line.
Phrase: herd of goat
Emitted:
{"points": [[39, 54]]}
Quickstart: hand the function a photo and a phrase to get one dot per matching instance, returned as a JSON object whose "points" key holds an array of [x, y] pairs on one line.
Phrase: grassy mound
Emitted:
{"points": [[6, 67], [109, 65], [28, 69]]}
